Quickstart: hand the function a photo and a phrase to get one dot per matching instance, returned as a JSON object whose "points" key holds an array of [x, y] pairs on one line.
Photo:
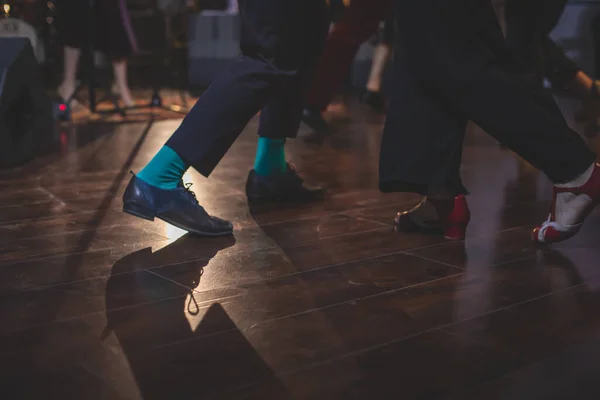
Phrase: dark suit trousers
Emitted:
{"points": [[280, 42], [358, 23], [452, 65]]}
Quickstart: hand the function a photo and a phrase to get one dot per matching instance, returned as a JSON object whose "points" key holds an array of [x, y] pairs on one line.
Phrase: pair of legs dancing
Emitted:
{"points": [[281, 41], [452, 64]]}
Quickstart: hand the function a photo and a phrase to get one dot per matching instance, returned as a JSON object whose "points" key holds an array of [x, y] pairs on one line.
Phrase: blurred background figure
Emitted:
{"points": [[109, 31], [528, 26], [358, 23], [381, 57]]}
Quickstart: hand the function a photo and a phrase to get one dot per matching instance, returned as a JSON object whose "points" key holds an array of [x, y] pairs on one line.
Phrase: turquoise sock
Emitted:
{"points": [[270, 157], [165, 170]]}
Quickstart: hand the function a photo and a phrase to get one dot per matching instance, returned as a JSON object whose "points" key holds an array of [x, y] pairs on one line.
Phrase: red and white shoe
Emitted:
{"points": [[439, 217], [570, 207]]}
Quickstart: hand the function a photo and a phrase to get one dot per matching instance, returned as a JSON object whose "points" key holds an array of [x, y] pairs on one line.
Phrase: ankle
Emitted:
{"points": [[373, 87], [66, 90], [165, 170], [270, 157], [440, 195]]}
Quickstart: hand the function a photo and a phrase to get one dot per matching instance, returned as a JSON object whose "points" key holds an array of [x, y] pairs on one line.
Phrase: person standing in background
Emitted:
{"points": [[111, 34]]}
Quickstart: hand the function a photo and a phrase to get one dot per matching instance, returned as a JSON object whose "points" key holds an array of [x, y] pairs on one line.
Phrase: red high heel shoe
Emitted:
{"points": [[570, 207], [449, 218]]}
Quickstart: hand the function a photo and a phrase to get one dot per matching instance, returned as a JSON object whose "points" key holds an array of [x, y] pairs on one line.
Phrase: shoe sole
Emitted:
{"points": [[144, 214]]}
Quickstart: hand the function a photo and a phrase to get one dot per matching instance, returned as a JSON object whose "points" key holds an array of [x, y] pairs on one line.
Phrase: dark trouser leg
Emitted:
{"points": [[560, 69], [422, 140], [280, 118], [460, 54], [524, 34], [222, 112], [358, 23], [276, 51], [528, 23]]}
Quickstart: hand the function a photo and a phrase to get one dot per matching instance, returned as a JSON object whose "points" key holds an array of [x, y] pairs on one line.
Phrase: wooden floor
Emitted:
{"points": [[322, 301]]}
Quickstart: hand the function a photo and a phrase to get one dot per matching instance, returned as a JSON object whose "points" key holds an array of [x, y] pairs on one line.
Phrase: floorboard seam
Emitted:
{"points": [[440, 328], [435, 261], [319, 309], [297, 244]]}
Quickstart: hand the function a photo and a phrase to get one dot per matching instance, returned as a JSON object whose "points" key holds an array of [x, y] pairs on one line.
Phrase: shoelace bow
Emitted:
{"points": [[187, 187]]}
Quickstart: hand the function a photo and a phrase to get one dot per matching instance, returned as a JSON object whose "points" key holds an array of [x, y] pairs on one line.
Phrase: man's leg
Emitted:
{"points": [[270, 62], [272, 178], [359, 22], [469, 68]]}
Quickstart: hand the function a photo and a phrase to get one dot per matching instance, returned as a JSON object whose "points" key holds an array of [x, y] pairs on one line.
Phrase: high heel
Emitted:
{"points": [[570, 208], [455, 225], [450, 221]]}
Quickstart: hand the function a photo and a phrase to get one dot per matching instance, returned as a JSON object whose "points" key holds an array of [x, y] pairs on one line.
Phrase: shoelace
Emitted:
{"points": [[187, 187]]}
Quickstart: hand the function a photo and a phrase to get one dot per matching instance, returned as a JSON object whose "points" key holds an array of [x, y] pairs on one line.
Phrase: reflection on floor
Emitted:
{"points": [[321, 301]]}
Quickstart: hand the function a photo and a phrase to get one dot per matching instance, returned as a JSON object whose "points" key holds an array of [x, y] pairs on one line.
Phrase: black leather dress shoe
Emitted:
{"points": [[178, 207], [286, 187], [314, 119]]}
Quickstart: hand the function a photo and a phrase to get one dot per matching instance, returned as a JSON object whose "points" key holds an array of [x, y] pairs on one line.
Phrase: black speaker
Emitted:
{"points": [[26, 123]]}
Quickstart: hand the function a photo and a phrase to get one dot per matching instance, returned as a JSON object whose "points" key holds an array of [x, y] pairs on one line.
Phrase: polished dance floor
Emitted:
{"points": [[321, 301]]}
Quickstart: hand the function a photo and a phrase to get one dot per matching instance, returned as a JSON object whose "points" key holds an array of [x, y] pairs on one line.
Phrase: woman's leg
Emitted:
{"points": [[71, 61], [381, 56], [120, 72], [71, 17], [116, 38], [421, 152]]}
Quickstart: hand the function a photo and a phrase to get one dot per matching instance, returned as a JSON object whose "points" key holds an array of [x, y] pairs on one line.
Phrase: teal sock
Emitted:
{"points": [[270, 157], [165, 170]]}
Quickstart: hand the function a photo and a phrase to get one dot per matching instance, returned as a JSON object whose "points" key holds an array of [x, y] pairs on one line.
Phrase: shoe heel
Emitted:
{"points": [[137, 211], [455, 227], [455, 232]]}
